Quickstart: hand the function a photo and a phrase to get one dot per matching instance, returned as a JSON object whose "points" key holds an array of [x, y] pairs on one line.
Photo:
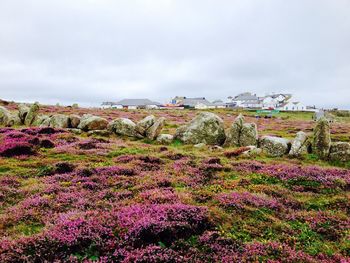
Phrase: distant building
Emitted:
{"points": [[292, 106], [109, 105], [219, 104], [245, 100], [177, 100], [274, 101], [133, 104], [198, 103]]}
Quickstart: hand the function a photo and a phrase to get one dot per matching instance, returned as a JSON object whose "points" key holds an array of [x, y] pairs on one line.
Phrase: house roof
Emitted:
{"points": [[246, 96], [137, 102], [108, 103], [195, 101]]}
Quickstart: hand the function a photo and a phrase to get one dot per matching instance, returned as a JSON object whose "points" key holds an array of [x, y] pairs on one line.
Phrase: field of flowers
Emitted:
{"points": [[67, 197]]}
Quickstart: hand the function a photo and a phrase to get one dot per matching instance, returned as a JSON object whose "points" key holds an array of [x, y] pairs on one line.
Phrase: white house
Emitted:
{"points": [[201, 106], [246, 100], [275, 100], [293, 106]]}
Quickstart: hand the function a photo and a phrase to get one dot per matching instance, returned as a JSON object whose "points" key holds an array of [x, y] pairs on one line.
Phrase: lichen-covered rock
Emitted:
{"points": [[40, 118], [5, 116], [322, 138], [14, 120], [43, 121], [248, 135], [89, 122], [340, 151], [205, 128], [143, 125], [32, 114], [123, 126], [165, 138], [299, 145], [153, 132], [59, 121], [74, 121], [23, 110], [233, 134], [274, 146]]}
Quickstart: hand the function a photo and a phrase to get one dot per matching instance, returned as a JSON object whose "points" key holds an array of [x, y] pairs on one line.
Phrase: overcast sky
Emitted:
{"points": [[85, 51]]}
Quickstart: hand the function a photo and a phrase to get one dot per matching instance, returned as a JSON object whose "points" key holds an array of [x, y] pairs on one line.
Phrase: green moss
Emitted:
{"points": [[28, 228], [176, 143], [4, 169]]}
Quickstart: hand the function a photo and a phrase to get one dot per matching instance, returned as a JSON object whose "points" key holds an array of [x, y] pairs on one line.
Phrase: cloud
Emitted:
{"points": [[91, 51]]}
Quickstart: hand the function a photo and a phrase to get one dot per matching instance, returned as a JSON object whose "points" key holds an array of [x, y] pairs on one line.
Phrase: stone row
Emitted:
{"points": [[205, 129]]}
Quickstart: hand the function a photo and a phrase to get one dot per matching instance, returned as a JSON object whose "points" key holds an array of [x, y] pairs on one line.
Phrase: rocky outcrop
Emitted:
{"points": [[242, 134], [274, 146], [322, 138], [340, 151], [143, 125], [153, 132], [299, 145], [123, 126], [59, 121], [5, 116], [165, 138], [205, 128], [23, 110], [14, 120], [89, 122], [74, 121], [32, 114]]}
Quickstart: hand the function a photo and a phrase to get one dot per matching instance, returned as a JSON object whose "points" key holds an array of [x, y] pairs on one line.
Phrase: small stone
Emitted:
{"points": [[165, 138]]}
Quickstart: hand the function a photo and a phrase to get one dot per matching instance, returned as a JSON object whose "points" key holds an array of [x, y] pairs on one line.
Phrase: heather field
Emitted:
{"points": [[73, 198]]}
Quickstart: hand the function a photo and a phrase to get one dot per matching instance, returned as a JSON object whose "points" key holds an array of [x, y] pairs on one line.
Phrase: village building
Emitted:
{"points": [[292, 106], [110, 105], [133, 104], [200, 103], [245, 100], [275, 101]]}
